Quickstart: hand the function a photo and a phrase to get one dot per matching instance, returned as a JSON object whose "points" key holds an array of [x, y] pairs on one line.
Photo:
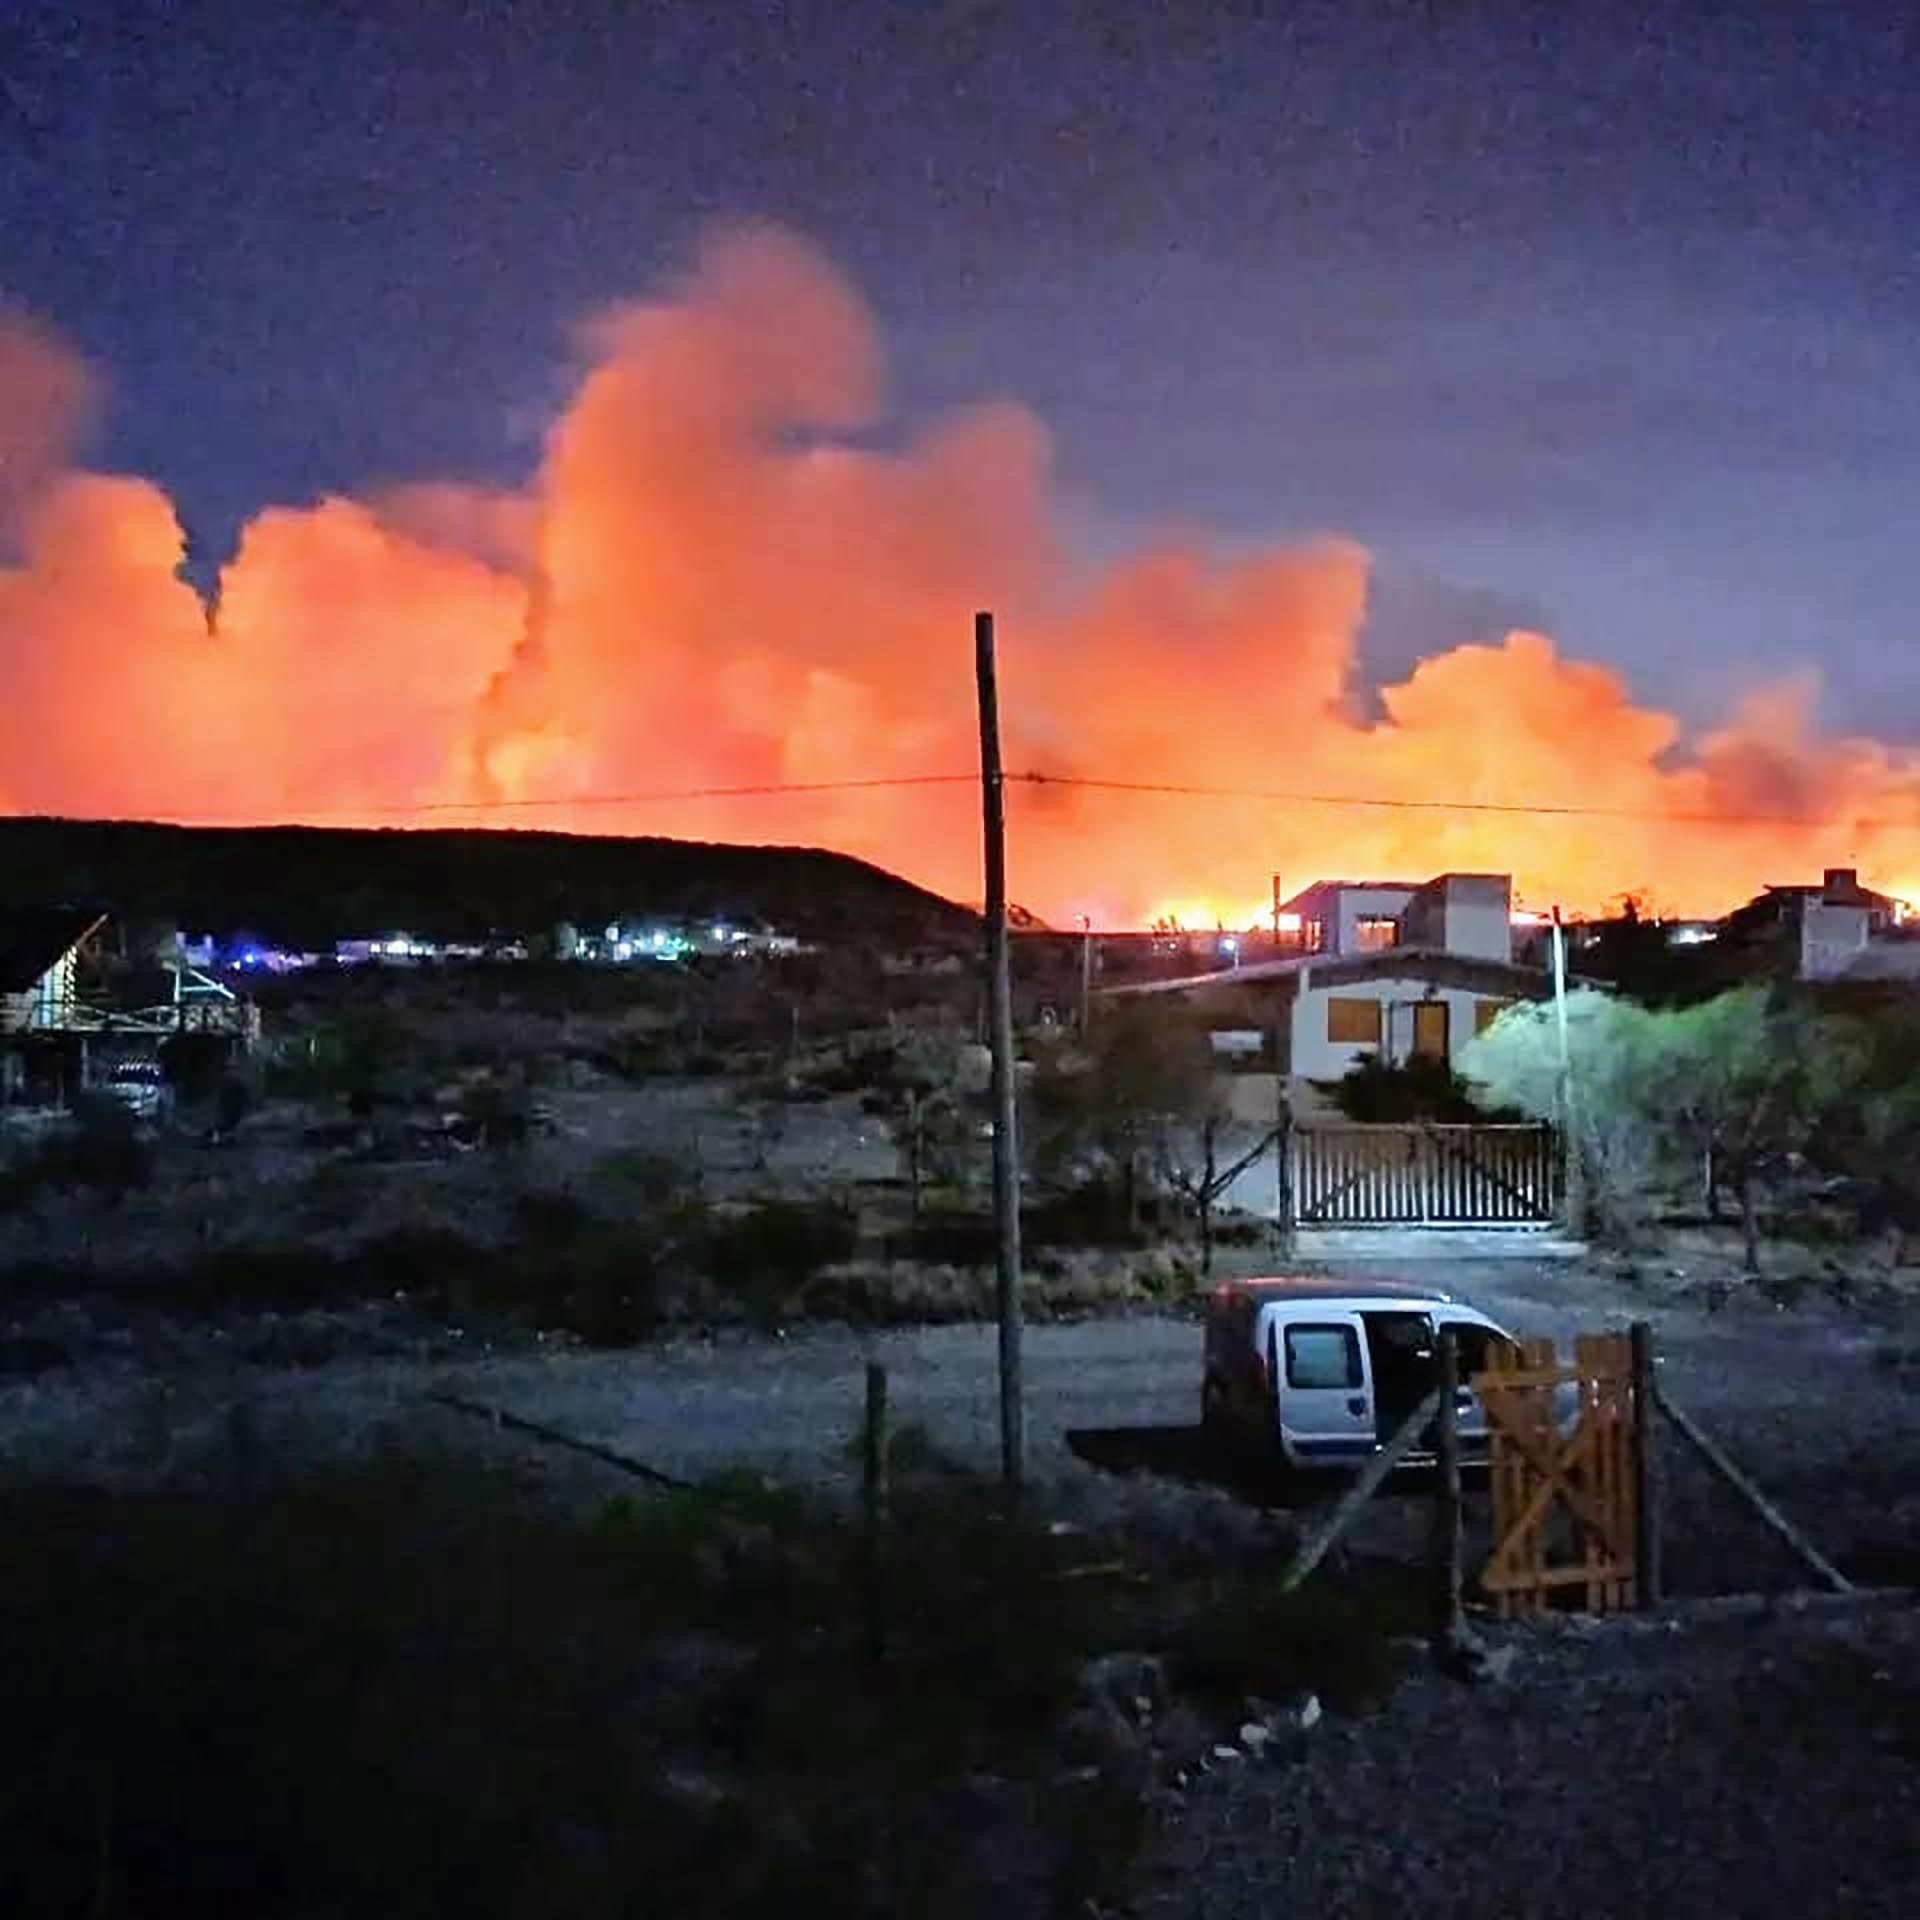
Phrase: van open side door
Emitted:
{"points": [[1321, 1383]]}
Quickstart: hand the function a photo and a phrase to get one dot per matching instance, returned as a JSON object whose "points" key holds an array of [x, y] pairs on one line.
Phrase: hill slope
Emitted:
{"points": [[313, 885]]}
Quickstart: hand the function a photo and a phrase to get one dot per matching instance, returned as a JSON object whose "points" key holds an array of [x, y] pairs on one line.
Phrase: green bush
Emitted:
{"points": [[1377, 1092]]}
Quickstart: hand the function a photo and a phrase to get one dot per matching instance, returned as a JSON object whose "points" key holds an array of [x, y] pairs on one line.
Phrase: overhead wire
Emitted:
{"points": [[771, 789]]}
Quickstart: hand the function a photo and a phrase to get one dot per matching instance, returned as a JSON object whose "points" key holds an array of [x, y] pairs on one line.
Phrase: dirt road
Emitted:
{"points": [[1794, 1393]]}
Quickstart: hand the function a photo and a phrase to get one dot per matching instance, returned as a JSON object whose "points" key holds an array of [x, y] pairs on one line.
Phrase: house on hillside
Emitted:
{"points": [[40, 952], [1396, 972], [72, 1019]]}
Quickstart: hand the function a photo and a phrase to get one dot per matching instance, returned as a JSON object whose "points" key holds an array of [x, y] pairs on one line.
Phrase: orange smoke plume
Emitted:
{"points": [[716, 580]]}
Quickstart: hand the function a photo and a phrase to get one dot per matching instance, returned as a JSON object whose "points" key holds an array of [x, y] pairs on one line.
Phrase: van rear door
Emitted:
{"points": [[1322, 1384]]}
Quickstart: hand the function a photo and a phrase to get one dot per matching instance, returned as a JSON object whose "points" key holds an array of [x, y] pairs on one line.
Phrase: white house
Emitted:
{"points": [[1419, 981]]}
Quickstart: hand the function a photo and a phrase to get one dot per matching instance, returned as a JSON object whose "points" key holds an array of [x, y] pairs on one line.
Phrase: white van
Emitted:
{"points": [[1321, 1372]]}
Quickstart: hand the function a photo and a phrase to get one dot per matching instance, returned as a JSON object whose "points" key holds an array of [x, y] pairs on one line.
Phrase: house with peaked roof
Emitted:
{"points": [[64, 1028], [40, 950]]}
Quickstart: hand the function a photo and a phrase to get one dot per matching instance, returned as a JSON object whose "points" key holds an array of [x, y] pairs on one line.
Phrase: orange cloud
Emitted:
{"points": [[731, 569]]}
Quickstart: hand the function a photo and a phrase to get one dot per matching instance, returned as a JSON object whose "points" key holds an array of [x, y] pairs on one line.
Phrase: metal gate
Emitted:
{"points": [[1451, 1176]]}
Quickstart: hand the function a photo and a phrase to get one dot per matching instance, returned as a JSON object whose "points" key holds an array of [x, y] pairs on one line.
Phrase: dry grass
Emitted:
{"points": [[412, 1688]]}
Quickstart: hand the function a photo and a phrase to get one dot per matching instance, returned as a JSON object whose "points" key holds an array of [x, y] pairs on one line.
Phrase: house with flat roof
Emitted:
{"points": [[1397, 972]]}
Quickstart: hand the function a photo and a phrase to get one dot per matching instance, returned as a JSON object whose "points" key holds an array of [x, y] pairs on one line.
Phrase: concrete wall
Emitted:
{"points": [[1832, 939], [1315, 1057], [1340, 909], [1466, 913]]}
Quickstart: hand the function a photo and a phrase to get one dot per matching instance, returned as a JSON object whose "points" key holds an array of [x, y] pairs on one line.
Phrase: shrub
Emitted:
{"points": [[762, 1257], [99, 1146], [641, 1177]]}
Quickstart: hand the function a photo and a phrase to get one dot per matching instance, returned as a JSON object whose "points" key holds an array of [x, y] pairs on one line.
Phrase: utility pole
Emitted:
{"points": [[1569, 1131], [1006, 1159], [1276, 916], [1086, 972]]}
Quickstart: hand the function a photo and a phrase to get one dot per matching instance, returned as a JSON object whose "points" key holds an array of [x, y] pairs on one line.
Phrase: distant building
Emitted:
{"points": [[40, 949], [64, 1027], [1821, 932]]}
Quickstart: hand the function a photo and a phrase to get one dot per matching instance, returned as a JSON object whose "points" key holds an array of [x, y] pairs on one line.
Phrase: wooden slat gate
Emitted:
{"points": [[1424, 1176], [1564, 1473]]}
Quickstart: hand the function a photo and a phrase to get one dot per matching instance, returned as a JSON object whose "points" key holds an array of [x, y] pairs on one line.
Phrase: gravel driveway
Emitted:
{"points": [[1793, 1393], [1741, 1766]]}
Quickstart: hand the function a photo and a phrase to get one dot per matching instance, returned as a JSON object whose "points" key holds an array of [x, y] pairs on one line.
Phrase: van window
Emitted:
{"points": [[1473, 1344], [1323, 1357]]}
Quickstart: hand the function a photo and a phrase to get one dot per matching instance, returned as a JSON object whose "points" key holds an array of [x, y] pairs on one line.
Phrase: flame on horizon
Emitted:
{"points": [[707, 583]]}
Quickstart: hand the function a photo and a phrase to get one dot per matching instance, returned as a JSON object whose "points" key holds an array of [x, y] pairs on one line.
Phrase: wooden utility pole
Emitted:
{"points": [[1006, 1158], [1086, 972]]}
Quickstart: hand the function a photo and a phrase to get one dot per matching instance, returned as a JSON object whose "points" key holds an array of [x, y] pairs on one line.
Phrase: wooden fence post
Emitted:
{"points": [[1449, 1549], [1647, 1491], [873, 1489]]}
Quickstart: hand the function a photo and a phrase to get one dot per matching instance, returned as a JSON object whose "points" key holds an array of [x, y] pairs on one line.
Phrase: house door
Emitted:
{"points": [[1430, 1029]]}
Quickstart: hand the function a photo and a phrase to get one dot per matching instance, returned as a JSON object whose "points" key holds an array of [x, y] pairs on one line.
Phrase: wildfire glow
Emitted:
{"points": [[714, 580]]}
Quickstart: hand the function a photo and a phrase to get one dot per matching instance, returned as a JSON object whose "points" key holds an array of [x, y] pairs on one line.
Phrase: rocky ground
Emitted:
{"points": [[1737, 1763], [1747, 1762]]}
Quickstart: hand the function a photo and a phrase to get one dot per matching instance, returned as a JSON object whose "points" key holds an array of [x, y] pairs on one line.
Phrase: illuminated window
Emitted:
{"points": [[1372, 935], [1486, 1012], [1353, 1023]]}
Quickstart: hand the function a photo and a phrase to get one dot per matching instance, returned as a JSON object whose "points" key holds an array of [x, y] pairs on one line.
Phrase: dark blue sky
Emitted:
{"points": [[1571, 317]]}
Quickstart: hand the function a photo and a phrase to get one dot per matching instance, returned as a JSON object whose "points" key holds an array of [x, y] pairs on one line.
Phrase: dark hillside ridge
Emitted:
{"points": [[309, 886]]}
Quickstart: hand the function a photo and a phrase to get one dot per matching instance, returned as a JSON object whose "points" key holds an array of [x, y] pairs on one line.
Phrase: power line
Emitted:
{"points": [[772, 789], [1552, 809], [658, 797]]}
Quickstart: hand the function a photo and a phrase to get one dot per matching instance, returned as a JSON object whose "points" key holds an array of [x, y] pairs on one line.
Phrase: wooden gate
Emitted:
{"points": [[1452, 1176], [1564, 1470]]}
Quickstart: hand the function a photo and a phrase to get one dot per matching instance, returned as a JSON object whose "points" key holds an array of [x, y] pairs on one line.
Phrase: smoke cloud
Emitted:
{"points": [[729, 570]]}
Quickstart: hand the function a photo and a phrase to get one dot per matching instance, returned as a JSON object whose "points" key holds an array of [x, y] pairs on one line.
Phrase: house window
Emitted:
{"points": [[1486, 1012], [1353, 1023], [1323, 1357], [1374, 935]]}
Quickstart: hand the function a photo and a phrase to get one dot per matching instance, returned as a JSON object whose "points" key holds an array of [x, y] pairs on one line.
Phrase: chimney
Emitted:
{"points": [[1842, 881]]}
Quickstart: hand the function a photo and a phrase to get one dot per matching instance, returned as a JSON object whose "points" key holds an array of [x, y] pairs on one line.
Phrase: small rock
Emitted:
{"points": [[1119, 1682], [1254, 1737], [1228, 1753], [1472, 1659], [698, 1793]]}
